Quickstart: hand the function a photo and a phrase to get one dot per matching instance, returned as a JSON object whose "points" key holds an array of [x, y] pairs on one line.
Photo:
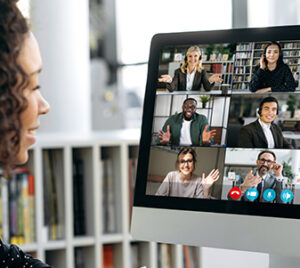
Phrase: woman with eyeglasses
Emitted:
{"points": [[191, 75], [183, 182]]}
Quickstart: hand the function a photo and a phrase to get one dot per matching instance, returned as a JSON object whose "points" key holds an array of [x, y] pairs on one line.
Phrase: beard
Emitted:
{"points": [[263, 170], [187, 118]]}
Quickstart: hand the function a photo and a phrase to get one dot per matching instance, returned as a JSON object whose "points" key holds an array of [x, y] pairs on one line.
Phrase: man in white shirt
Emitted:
{"points": [[186, 128], [263, 133], [268, 175]]}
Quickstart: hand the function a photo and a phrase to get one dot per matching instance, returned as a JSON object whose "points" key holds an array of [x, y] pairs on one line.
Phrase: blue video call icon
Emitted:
{"points": [[252, 194], [269, 195], [286, 196]]}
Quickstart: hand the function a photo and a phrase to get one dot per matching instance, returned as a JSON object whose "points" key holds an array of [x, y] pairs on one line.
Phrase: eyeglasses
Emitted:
{"points": [[268, 162], [189, 107], [188, 161]]}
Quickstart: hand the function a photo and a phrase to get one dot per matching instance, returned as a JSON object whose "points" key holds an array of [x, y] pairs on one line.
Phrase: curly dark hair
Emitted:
{"points": [[13, 80]]}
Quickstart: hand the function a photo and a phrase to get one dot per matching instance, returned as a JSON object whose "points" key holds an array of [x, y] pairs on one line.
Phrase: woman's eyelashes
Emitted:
{"points": [[36, 87]]}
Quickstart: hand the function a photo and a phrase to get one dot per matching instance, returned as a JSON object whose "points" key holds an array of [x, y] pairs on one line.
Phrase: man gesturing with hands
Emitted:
{"points": [[186, 128], [268, 175]]}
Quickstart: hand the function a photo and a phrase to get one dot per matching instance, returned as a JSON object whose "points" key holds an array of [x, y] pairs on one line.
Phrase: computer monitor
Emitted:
{"points": [[219, 156]]}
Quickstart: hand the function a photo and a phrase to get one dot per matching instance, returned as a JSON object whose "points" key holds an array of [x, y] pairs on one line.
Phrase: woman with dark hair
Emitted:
{"points": [[272, 75], [21, 104], [190, 76], [183, 182]]}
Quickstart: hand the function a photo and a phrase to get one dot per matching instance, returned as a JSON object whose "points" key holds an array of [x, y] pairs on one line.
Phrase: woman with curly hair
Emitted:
{"points": [[21, 103]]}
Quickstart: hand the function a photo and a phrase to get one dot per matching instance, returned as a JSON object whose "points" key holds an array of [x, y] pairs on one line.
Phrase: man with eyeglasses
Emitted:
{"points": [[267, 176], [186, 128]]}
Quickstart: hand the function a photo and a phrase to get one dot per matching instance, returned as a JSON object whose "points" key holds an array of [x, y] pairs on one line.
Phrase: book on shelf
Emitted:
{"points": [[108, 256], [191, 259], [17, 208], [217, 68], [78, 197], [53, 193], [164, 256], [79, 258], [109, 197], [4, 209], [31, 205]]}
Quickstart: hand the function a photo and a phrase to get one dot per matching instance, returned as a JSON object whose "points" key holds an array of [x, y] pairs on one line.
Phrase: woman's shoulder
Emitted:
{"points": [[173, 173], [178, 71], [201, 71], [284, 66]]}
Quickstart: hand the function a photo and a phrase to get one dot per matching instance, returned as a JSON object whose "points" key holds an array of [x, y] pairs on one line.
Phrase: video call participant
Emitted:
{"points": [[183, 182], [186, 128], [272, 75], [190, 76], [268, 175], [263, 133], [21, 104]]}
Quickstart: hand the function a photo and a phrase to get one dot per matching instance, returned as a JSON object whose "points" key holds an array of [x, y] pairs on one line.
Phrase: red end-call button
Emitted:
{"points": [[235, 193]]}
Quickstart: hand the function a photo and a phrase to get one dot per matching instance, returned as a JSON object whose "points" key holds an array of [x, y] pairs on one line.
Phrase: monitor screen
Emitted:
{"points": [[221, 124]]}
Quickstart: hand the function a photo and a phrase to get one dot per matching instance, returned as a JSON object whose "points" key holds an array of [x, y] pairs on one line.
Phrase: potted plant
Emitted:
{"points": [[204, 99], [291, 103], [287, 171]]}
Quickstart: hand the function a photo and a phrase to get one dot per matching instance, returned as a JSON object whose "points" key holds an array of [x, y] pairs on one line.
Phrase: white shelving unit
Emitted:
{"points": [[120, 146]]}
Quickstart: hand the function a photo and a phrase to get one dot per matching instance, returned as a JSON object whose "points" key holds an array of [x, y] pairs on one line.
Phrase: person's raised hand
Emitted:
{"points": [[208, 181], [250, 181], [262, 64], [207, 135], [164, 137], [215, 78], [165, 78]]}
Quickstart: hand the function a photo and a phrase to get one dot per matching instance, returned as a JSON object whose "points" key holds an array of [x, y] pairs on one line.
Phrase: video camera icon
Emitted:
{"points": [[286, 196], [252, 194]]}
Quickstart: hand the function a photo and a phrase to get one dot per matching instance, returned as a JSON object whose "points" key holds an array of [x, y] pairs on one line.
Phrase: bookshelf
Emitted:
{"points": [[87, 248]]}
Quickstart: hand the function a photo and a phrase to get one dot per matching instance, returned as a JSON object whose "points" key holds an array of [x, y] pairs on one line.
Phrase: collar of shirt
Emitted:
{"points": [[190, 79], [263, 125]]}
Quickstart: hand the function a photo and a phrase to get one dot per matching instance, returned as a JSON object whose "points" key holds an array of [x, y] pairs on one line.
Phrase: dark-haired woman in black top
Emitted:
{"points": [[272, 75]]}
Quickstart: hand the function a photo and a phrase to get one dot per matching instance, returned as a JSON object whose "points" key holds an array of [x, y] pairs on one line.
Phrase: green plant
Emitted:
{"points": [[209, 50], [291, 103], [204, 98], [287, 171]]}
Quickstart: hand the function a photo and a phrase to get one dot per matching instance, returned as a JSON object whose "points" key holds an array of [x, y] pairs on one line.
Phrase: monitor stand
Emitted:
{"points": [[279, 261]]}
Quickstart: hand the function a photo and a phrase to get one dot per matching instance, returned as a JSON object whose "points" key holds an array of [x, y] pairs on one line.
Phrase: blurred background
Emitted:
{"points": [[96, 52]]}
